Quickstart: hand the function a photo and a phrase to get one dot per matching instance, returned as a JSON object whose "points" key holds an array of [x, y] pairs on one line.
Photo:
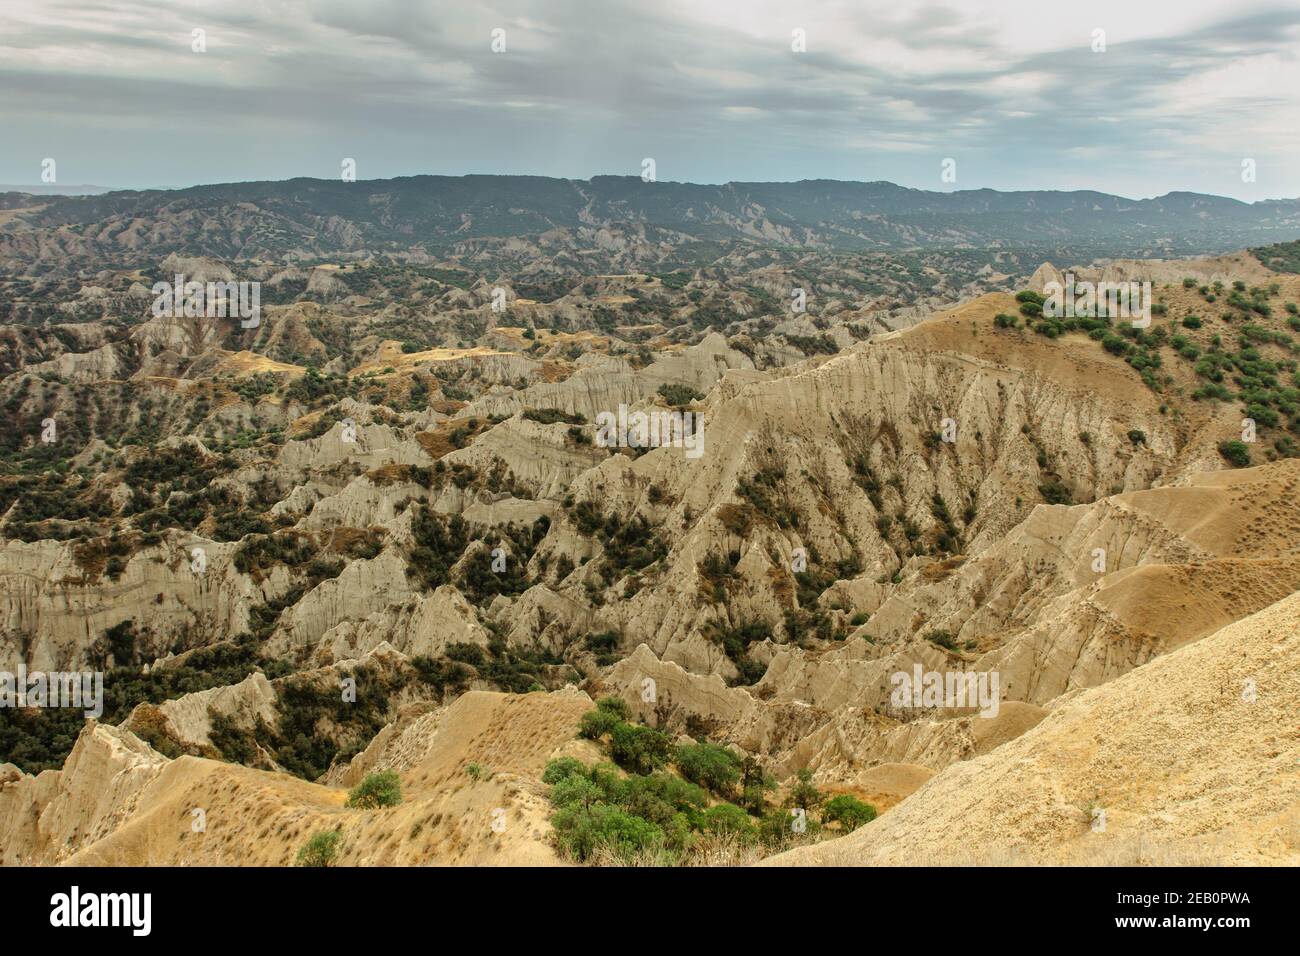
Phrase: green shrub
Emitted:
{"points": [[639, 749], [597, 723], [616, 706], [381, 789], [709, 765], [1055, 493], [321, 849], [580, 831], [1114, 344], [678, 394], [609, 713], [730, 820], [776, 827], [849, 812], [550, 416], [575, 790], [943, 639], [561, 767], [658, 797], [1236, 452]]}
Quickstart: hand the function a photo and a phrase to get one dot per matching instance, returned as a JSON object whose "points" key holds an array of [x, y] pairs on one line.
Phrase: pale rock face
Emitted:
{"points": [[363, 588], [324, 282], [878, 402], [196, 268], [603, 385], [510, 510], [423, 625], [1043, 275], [543, 616], [360, 504], [1062, 624], [96, 792], [83, 367], [821, 716], [374, 445], [188, 720], [706, 697], [541, 457], [50, 613]]}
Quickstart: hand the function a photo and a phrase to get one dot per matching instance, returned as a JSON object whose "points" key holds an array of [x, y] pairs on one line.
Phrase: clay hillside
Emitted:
{"points": [[924, 574]]}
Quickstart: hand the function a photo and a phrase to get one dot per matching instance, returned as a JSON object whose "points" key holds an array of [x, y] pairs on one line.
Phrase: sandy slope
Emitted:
{"points": [[1185, 766], [117, 802]]}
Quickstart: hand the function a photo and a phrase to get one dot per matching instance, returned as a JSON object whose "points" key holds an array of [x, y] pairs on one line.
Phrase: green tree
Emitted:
{"points": [[595, 724], [575, 790], [849, 812], [561, 767], [381, 789], [639, 749], [710, 765], [804, 794], [754, 786]]}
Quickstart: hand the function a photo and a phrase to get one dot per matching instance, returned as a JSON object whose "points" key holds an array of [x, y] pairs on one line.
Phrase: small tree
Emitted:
{"points": [[575, 790], [709, 765], [849, 812], [1236, 453], [616, 706], [755, 784], [804, 794], [381, 789], [595, 724], [639, 749], [321, 849], [561, 767]]}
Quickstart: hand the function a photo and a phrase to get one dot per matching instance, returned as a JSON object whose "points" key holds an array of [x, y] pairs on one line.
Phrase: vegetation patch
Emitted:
{"points": [[665, 805]]}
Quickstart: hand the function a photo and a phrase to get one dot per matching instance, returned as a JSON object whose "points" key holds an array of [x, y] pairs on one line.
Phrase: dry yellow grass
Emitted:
{"points": [[390, 355]]}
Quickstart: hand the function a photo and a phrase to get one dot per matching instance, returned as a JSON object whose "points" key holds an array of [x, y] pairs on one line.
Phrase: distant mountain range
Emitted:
{"points": [[445, 215], [55, 189]]}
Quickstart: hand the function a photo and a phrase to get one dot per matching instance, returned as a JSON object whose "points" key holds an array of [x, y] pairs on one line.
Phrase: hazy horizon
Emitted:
{"points": [[71, 189]]}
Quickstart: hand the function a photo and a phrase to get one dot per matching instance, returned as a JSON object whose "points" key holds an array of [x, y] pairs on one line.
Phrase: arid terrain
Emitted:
{"points": [[368, 583]]}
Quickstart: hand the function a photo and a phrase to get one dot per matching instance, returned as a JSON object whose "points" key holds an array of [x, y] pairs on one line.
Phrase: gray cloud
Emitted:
{"points": [[114, 93]]}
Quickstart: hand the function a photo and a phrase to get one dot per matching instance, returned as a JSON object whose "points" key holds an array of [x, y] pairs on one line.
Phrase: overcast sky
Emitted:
{"points": [[710, 89]]}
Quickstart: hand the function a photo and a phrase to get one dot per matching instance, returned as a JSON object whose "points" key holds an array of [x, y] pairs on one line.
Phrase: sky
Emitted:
{"points": [[1134, 97]]}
